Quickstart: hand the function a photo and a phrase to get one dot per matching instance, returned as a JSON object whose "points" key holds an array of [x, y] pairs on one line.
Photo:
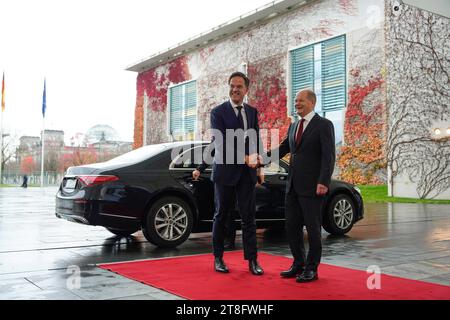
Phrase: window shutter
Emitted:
{"points": [[176, 109], [333, 74], [302, 72], [183, 110], [190, 114]]}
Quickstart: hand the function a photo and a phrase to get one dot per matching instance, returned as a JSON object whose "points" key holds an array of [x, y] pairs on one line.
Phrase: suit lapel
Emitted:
{"points": [[231, 115], [248, 113], [292, 135], [311, 125]]}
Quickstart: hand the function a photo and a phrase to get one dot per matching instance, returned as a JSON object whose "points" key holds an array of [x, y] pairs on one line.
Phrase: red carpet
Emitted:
{"points": [[193, 277]]}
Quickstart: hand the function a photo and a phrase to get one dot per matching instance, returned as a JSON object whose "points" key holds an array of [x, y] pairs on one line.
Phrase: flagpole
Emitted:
{"points": [[42, 152], [2, 107], [44, 106], [1, 148]]}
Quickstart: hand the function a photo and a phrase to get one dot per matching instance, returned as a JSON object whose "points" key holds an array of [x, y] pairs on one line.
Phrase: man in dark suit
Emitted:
{"points": [[233, 123], [310, 141], [230, 233]]}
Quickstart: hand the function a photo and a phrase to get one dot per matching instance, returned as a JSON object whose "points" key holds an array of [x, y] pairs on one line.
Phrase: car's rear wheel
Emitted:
{"points": [[168, 223], [340, 215], [122, 233]]}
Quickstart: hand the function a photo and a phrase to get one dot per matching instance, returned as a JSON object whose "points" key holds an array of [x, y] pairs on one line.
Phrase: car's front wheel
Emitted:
{"points": [[339, 216], [168, 223]]}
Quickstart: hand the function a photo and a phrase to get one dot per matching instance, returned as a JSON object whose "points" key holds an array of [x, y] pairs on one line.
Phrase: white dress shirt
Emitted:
{"points": [[236, 110], [308, 119]]}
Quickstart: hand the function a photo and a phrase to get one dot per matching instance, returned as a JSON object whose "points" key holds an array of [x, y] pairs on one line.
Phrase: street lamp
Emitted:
{"points": [[440, 130]]}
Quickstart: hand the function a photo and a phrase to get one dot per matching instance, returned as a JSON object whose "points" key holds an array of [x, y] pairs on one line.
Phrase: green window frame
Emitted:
{"points": [[183, 110], [322, 68]]}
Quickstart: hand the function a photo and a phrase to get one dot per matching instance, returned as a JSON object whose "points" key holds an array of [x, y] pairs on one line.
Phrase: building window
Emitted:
{"points": [[183, 111], [321, 67], [337, 117]]}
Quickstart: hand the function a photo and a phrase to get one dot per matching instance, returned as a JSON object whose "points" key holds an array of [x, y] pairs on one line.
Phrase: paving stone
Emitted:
{"points": [[137, 297], [36, 248]]}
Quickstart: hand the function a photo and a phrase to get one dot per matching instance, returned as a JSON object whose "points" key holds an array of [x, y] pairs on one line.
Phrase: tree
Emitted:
{"points": [[8, 149], [65, 162], [51, 161], [84, 156], [8, 152], [28, 165]]}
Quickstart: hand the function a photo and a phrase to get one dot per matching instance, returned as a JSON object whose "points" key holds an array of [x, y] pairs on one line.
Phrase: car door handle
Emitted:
{"points": [[282, 178]]}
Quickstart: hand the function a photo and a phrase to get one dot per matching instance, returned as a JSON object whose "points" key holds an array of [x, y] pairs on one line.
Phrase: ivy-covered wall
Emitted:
{"points": [[418, 90], [154, 84], [264, 49]]}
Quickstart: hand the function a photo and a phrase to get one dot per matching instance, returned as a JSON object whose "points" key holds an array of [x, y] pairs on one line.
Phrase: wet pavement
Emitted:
{"points": [[40, 254]]}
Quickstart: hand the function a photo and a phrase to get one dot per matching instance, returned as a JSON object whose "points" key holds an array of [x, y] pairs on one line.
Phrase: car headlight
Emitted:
{"points": [[357, 189]]}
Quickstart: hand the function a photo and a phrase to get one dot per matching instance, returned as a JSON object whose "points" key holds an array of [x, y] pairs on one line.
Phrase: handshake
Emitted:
{"points": [[254, 161]]}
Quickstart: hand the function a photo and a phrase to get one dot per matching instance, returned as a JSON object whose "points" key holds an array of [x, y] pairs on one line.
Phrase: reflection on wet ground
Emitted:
{"points": [[39, 253]]}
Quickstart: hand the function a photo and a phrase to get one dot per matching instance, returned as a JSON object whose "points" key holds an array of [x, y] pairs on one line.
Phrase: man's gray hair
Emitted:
{"points": [[310, 95]]}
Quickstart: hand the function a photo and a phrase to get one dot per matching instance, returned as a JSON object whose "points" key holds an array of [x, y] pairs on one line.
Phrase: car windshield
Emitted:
{"points": [[140, 154]]}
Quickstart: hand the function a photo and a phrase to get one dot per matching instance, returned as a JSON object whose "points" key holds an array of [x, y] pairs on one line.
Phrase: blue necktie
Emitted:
{"points": [[240, 118]]}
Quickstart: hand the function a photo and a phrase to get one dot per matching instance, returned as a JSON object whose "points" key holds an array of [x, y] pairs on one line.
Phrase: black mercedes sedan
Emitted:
{"points": [[151, 189]]}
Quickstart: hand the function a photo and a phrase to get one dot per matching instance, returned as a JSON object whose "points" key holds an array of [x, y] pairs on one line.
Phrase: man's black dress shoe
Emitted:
{"points": [[308, 276], [219, 265], [293, 271], [255, 268]]}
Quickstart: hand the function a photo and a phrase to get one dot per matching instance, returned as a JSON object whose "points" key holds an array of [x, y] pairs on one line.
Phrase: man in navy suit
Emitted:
{"points": [[230, 234], [310, 141], [236, 141]]}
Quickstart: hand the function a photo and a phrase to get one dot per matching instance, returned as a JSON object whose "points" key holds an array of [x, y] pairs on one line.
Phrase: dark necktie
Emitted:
{"points": [[240, 118], [298, 137]]}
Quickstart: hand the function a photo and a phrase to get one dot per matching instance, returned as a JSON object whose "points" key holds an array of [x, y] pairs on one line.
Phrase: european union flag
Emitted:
{"points": [[44, 102]]}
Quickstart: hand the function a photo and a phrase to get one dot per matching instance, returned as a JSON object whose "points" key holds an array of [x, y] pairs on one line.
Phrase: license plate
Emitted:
{"points": [[70, 184]]}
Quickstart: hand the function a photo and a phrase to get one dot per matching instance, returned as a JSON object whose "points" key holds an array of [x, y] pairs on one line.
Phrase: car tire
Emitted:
{"points": [[339, 215], [122, 233], [168, 223]]}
